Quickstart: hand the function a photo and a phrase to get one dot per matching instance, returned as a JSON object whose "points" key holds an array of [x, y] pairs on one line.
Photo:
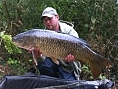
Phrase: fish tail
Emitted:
{"points": [[99, 64]]}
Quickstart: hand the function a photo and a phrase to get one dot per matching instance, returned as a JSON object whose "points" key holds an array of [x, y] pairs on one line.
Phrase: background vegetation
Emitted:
{"points": [[96, 21]]}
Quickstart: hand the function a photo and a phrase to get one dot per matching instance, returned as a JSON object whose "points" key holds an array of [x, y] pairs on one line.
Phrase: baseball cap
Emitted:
{"points": [[49, 12]]}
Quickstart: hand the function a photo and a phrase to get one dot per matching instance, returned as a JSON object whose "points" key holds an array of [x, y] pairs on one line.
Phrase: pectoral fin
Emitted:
{"points": [[55, 60]]}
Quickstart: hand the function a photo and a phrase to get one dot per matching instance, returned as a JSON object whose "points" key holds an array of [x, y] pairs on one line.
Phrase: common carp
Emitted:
{"points": [[58, 45]]}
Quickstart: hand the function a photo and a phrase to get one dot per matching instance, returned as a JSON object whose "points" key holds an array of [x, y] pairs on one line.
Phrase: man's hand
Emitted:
{"points": [[37, 52], [69, 58]]}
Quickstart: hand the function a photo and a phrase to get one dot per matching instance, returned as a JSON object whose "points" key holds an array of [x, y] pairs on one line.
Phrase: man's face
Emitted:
{"points": [[51, 23]]}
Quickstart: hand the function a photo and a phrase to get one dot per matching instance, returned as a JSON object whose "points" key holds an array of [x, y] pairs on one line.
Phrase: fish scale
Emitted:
{"points": [[58, 45]]}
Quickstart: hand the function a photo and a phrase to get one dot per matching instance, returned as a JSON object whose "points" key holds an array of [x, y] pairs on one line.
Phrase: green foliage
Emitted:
{"points": [[17, 67], [9, 46], [86, 73], [12, 62], [96, 21]]}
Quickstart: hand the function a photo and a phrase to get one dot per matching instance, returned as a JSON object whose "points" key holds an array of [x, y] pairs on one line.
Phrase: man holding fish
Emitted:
{"points": [[68, 68]]}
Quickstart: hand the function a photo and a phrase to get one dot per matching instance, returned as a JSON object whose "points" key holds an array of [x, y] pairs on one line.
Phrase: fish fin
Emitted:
{"points": [[103, 61], [95, 69], [99, 64], [55, 60]]}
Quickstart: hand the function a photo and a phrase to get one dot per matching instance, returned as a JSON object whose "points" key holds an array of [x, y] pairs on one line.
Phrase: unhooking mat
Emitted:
{"points": [[45, 82]]}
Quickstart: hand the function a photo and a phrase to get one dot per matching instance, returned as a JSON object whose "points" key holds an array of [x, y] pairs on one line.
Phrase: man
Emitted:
{"points": [[67, 69]]}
